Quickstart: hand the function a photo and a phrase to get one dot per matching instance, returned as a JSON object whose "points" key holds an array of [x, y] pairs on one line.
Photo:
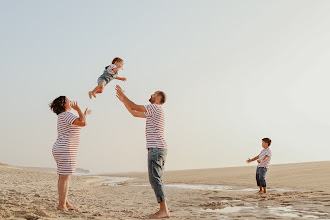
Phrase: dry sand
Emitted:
{"points": [[297, 191]]}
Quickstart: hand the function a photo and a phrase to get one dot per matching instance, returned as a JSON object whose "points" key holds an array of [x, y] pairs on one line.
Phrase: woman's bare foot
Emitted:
{"points": [[62, 208], [71, 207], [160, 214]]}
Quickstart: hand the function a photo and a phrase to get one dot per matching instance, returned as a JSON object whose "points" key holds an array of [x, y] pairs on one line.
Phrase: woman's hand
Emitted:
{"points": [[75, 106], [87, 112]]}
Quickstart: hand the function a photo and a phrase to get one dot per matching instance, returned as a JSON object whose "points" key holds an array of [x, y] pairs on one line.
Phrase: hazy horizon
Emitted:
{"points": [[82, 171], [234, 73]]}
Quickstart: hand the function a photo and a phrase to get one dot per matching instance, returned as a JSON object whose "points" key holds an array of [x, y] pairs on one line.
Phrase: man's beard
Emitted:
{"points": [[151, 100]]}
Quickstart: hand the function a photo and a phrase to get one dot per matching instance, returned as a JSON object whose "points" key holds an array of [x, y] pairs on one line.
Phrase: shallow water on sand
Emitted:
{"points": [[113, 181], [216, 187], [227, 210]]}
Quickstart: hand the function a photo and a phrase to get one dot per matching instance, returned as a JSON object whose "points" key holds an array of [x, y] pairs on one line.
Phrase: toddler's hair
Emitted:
{"points": [[117, 59], [267, 140]]}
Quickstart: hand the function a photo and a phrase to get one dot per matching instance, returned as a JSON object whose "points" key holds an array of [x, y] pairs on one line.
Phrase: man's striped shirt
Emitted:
{"points": [[155, 126]]}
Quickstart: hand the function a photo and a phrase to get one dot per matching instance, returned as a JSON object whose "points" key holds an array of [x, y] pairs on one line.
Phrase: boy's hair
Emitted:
{"points": [[117, 59], [163, 96], [267, 140]]}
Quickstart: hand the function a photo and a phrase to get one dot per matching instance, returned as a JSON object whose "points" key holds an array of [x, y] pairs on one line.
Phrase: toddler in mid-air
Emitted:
{"points": [[110, 72]]}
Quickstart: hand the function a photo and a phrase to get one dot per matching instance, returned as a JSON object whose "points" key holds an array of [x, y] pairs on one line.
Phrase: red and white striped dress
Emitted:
{"points": [[66, 146]]}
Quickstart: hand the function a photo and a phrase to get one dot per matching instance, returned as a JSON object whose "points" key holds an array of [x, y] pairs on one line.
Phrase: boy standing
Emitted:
{"points": [[263, 160]]}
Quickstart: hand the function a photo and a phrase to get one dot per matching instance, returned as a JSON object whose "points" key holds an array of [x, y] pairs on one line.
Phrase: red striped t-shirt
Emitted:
{"points": [[155, 126]]}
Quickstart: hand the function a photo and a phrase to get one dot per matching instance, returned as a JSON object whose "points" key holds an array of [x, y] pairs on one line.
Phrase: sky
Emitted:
{"points": [[234, 72]]}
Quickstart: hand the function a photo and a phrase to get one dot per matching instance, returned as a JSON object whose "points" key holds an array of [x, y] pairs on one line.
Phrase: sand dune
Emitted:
{"points": [[298, 191]]}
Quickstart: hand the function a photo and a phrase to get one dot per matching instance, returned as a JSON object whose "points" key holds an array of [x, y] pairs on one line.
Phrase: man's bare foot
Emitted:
{"points": [[160, 214], [260, 191], [62, 208]]}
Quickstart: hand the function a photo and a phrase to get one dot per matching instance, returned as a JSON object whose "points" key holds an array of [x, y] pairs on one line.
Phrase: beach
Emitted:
{"points": [[295, 191]]}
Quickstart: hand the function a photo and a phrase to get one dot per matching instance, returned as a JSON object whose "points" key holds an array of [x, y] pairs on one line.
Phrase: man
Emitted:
{"points": [[156, 144]]}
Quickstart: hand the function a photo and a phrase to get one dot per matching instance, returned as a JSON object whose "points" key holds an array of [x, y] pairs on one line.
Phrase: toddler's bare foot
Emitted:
{"points": [[90, 94]]}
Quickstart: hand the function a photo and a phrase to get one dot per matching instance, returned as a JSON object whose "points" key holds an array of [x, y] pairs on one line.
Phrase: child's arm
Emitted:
{"points": [[265, 158], [121, 78], [253, 159]]}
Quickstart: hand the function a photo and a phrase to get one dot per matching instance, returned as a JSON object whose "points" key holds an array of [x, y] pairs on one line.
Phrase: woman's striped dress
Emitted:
{"points": [[66, 145]]}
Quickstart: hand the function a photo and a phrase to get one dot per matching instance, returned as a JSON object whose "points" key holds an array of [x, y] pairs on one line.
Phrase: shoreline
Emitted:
{"points": [[295, 176]]}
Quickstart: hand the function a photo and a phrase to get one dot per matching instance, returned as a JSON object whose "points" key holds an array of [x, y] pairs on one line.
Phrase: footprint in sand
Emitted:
{"points": [[31, 216], [241, 204], [43, 214], [12, 204], [215, 205]]}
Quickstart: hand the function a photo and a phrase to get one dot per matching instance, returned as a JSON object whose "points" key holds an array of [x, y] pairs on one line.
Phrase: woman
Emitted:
{"points": [[66, 145]]}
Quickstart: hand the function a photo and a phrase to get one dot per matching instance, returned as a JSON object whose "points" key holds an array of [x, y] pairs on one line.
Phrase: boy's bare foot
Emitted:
{"points": [[260, 191], [62, 208], [160, 214]]}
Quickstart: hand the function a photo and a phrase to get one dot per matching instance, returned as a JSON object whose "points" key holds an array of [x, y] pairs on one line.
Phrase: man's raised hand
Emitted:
{"points": [[120, 93]]}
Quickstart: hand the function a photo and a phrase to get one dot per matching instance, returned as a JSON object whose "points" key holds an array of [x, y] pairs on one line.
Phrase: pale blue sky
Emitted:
{"points": [[234, 72]]}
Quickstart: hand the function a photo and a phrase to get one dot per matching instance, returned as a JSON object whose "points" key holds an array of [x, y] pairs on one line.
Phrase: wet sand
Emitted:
{"points": [[296, 191]]}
